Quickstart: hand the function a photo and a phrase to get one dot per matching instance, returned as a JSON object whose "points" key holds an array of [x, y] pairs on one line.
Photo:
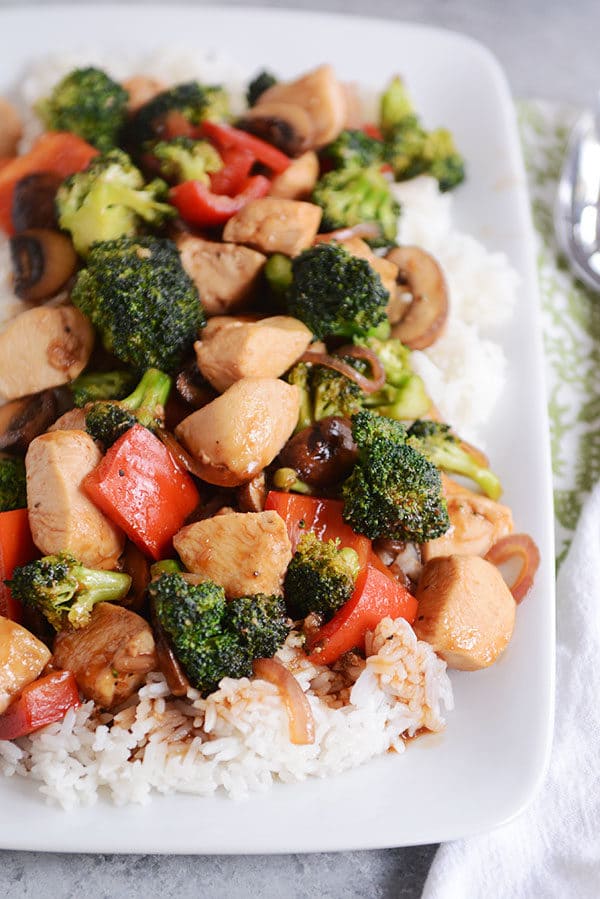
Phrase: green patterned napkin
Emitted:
{"points": [[571, 316]]}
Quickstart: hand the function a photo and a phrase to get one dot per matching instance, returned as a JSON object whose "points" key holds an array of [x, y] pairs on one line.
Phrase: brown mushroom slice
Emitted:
{"points": [[426, 316], [21, 421], [320, 95], [33, 202], [43, 261], [285, 125], [10, 129]]}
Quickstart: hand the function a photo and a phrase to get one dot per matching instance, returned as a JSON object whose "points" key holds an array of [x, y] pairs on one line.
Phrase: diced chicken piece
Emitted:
{"points": [[245, 552], [142, 89], [110, 657], [225, 274], [262, 349], [240, 433], [73, 420], [43, 347], [274, 225], [11, 129], [298, 180], [320, 95], [61, 517], [22, 659], [476, 523], [387, 271], [466, 611]]}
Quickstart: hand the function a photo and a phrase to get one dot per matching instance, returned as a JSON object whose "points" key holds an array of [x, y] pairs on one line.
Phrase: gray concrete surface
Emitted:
{"points": [[549, 50]]}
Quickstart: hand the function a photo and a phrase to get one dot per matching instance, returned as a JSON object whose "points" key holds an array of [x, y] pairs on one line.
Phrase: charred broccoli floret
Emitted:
{"points": [[353, 149], [102, 385], [13, 489], [263, 81], [334, 394], [260, 622], [351, 196], [184, 159], [394, 491], [336, 294], [64, 591], [320, 578], [106, 421], [88, 103], [139, 297], [185, 105], [436, 441], [110, 200], [212, 639]]}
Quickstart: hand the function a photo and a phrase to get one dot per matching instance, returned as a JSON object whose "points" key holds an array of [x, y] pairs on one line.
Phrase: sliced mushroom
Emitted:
{"points": [[193, 388], [23, 420], [425, 318], [10, 129], [33, 202], [43, 261], [285, 125]]}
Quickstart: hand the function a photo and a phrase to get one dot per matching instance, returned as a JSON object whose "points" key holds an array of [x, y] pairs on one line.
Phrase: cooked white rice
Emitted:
{"points": [[238, 738]]}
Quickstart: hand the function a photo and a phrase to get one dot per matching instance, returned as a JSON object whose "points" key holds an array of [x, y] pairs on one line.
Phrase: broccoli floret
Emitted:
{"points": [[394, 491], [403, 395], [88, 103], [353, 149], [139, 297], [335, 293], [13, 491], [263, 81], [320, 578], [260, 622], [110, 200], [179, 107], [404, 150], [184, 159], [64, 591], [352, 196], [395, 106], [107, 421], [334, 394], [102, 385], [193, 617], [443, 160], [436, 441]]}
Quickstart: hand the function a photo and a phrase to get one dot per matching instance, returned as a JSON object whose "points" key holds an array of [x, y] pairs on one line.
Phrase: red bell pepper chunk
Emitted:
{"points": [[139, 486], [16, 548], [372, 130], [59, 152], [198, 205], [46, 700], [375, 596], [232, 177], [224, 137], [322, 516]]}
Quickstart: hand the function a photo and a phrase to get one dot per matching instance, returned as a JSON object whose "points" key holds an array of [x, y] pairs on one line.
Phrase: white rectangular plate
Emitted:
{"points": [[487, 765]]}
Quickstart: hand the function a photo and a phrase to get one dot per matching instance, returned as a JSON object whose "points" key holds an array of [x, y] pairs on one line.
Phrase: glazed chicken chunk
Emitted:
{"points": [[275, 225], [225, 274], [61, 517], [245, 552], [237, 349], [466, 611], [22, 659], [110, 656], [298, 180]]}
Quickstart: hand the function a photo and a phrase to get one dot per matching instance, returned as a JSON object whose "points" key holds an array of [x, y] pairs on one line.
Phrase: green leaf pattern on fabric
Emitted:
{"points": [[571, 316]]}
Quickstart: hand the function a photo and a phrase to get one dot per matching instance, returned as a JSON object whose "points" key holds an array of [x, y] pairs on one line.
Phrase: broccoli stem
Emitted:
{"points": [[103, 586], [278, 272], [152, 391]]}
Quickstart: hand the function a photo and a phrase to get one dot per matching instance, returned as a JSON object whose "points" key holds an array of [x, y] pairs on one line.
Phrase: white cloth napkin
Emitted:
{"points": [[553, 848]]}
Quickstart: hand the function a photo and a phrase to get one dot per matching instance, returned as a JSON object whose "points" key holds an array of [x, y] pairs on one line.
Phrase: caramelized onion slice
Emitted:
{"points": [[368, 385], [522, 547], [181, 457], [364, 230], [301, 721]]}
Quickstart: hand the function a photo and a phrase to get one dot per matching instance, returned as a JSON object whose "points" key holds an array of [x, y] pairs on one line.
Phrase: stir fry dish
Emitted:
{"points": [[238, 541]]}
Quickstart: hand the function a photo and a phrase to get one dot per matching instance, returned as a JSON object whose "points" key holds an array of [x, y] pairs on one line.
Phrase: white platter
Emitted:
{"points": [[487, 765]]}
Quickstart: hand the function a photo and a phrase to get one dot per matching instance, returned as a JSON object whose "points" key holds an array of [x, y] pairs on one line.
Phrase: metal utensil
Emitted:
{"points": [[577, 210]]}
